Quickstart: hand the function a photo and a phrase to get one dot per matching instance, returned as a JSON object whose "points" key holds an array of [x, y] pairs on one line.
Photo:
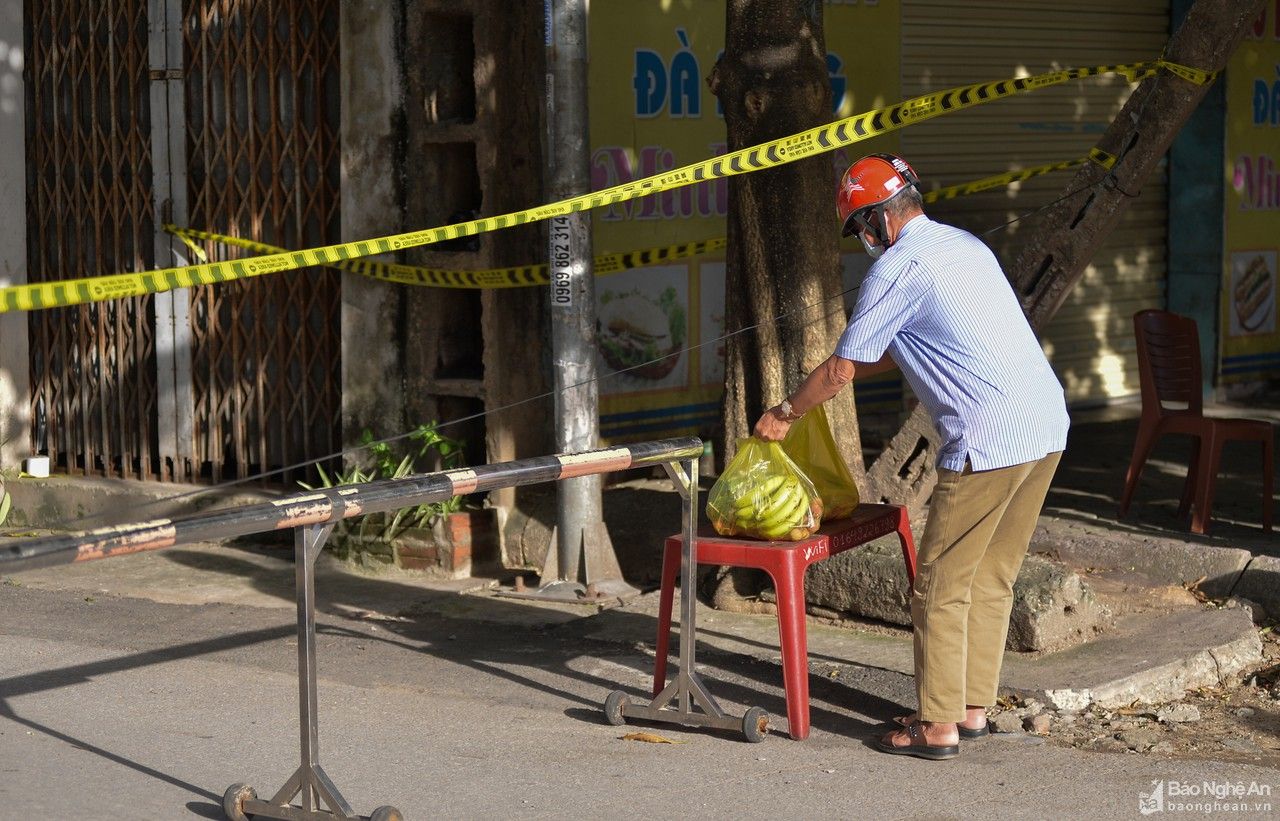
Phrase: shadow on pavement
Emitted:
{"points": [[1091, 477], [7, 712]]}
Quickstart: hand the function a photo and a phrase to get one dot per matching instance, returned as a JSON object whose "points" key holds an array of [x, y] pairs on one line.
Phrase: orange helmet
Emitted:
{"points": [[868, 184]]}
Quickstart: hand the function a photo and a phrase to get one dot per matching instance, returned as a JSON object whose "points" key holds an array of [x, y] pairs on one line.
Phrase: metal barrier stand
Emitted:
{"points": [[312, 517], [677, 701], [310, 780]]}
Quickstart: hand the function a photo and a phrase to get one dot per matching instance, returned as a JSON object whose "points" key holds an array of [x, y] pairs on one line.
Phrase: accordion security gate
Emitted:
{"points": [[263, 163], [221, 113], [90, 212]]}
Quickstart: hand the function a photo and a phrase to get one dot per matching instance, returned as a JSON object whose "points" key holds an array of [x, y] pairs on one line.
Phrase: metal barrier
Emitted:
{"points": [[312, 516]]}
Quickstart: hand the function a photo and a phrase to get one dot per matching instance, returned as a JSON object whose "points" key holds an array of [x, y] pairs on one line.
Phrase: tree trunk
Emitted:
{"points": [[783, 251], [1069, 232]]}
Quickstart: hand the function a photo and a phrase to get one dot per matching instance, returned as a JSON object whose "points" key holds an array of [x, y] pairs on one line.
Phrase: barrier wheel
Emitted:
{"points": [[233, 801], [613, 707], [386, 814], [755, 725]]}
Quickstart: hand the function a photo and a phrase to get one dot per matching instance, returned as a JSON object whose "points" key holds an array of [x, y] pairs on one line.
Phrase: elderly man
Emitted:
{"points": [[936, 304]]}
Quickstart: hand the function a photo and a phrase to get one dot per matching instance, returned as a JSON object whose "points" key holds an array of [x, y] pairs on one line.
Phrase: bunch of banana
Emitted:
{"points": [[779, 508]]}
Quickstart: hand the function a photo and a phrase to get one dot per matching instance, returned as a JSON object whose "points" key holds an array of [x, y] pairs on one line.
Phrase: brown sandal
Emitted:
{"points": [[965, 732], [916, 745]]}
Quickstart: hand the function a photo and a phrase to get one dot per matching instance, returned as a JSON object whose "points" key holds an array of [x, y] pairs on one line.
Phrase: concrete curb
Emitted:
{"points": [[1260, 583], [1166, 560], [1053, 608], [1152, 660]]}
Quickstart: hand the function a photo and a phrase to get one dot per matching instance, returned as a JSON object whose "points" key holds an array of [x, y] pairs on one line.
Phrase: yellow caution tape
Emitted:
{"points": [[1194, 75], [1096, 155], [527, 275], [778, 152], [518, 277], [986, 184], [1102, 158]]}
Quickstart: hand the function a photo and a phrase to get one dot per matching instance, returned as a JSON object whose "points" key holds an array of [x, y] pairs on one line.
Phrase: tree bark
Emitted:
{"points": [[783, 251], [1069, 232]]}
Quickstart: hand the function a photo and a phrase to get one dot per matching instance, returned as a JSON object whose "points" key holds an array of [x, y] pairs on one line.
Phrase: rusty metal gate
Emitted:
{"points": [[89, 213], [245, 143], [263, 163]]}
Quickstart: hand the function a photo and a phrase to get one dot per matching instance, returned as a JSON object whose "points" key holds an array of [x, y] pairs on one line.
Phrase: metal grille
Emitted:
{"points": [[89, 213], [951, 42], [263, 163]]}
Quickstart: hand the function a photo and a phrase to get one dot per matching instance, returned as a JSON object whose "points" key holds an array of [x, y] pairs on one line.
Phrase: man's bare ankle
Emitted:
{"points": [[940, 731]]}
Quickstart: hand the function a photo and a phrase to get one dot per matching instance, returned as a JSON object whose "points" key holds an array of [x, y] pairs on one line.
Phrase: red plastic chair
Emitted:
{"points": [[1169, 372], [785, 562]]}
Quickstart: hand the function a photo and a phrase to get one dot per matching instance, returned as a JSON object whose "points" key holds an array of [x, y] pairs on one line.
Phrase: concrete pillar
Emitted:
{"points": [[372, 103], [175, 399], [15, 383]]}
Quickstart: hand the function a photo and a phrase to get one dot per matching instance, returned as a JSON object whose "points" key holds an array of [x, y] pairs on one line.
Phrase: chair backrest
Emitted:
{"points": [[1168, 360]]}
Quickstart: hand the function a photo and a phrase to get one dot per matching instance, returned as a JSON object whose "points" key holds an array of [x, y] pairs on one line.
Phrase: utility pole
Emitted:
{"points": [[580, 545]]}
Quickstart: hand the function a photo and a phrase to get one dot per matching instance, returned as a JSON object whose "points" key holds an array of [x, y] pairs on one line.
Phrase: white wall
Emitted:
{"points": [[15, 389]]}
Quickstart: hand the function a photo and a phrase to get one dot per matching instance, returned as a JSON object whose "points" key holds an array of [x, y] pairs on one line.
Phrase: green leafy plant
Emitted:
{"points": [[428, 450]]}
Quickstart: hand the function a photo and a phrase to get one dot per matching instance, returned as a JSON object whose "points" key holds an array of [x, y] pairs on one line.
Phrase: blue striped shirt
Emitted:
{"points": [[938, 302]]}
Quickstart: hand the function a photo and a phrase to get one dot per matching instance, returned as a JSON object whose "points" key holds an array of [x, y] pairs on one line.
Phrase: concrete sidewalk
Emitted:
{"points": [[1153, 656]]}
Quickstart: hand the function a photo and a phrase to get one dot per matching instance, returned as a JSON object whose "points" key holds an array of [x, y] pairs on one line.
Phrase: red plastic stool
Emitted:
{"points": [[785, 562]]}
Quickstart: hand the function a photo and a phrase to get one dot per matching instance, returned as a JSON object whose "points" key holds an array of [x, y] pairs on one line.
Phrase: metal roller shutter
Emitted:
{"points": [[948, 43]]}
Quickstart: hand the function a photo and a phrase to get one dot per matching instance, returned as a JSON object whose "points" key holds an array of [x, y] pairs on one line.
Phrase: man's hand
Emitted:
{"points": [[822, 383], [772, 426]]}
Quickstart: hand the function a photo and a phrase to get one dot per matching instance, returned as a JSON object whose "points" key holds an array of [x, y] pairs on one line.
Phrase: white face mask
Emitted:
{"points": [[873, 251]]}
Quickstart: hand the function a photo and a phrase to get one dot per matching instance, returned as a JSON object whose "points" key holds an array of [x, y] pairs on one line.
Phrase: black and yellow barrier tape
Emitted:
{"points": [[518, 277], [1096, 155], [527, 275], [778, 152]]}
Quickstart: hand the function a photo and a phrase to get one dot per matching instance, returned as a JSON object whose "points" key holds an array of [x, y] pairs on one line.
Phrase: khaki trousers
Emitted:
{"points": [[979, 527]]}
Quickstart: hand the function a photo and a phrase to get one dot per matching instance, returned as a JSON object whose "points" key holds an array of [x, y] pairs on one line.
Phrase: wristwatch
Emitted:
{"points": [[787, 413]]}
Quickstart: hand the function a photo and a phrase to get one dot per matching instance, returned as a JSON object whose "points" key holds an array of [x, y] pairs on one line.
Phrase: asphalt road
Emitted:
{"points": [[119, 707]]}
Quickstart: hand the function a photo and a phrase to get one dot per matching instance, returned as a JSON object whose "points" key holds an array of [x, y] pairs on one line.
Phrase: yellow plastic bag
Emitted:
{"points": [[810, 445], [763, 494]]}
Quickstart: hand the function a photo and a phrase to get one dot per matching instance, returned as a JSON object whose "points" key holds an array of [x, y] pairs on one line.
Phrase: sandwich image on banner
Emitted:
{"points": [[640, 333], [1253, 293]]}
